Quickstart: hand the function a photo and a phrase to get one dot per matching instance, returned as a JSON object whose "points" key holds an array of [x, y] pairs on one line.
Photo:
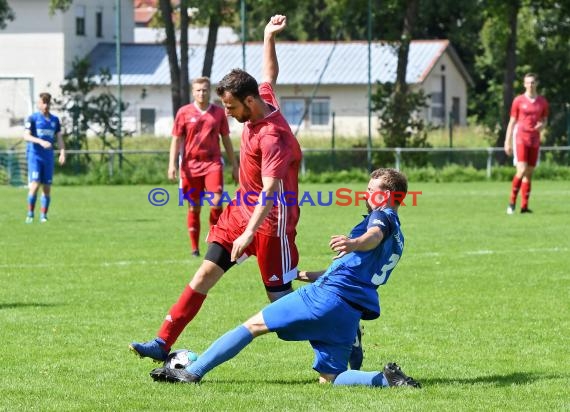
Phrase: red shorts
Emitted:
{"points": [[201, 188], [526, 154], [277, 257]]}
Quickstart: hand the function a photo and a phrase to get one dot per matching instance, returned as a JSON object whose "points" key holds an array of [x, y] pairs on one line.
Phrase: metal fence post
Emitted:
{"points": [[111, 160], [489, 161], [398, 153], [10, 153]]}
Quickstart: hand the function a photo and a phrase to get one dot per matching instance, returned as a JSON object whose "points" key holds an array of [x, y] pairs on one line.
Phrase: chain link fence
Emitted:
{"points": [[149, 166]]}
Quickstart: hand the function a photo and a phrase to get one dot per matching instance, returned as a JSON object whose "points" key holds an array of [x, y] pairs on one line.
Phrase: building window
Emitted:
{"points": [[147, 119], [437, 115], [99, 24], [437, 97], [80, 20], [437, 112], [320, 112], [293, 110]]}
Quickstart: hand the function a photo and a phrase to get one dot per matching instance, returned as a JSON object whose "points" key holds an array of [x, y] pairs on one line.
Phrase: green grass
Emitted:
{"points": [[477, 310], [472, 136]]}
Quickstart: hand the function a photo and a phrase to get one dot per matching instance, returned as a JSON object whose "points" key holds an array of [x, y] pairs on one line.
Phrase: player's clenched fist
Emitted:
{"points": [[276, 24]]}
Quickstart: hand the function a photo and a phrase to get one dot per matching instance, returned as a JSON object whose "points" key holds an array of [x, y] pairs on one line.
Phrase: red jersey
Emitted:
{"points": [[528, 113], [269, 148], [200, 133]]}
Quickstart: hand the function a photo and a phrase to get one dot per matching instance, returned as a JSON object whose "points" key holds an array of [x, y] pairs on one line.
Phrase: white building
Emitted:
{"points": [[327, 80], [37, 50]]}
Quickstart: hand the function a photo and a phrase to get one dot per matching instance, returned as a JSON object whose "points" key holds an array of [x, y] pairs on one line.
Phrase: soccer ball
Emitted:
{"points": [[179, 359]]}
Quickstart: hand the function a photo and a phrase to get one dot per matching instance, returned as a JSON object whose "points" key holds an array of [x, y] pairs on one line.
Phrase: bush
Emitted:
{"points": [[151, 168]]}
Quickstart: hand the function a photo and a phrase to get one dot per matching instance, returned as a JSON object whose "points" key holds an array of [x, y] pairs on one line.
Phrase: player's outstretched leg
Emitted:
{"points": [[154, 349]]}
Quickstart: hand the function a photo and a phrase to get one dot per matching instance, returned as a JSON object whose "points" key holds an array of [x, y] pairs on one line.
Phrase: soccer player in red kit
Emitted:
{"points": [[257, 222], [195, 147], [529, 113]]}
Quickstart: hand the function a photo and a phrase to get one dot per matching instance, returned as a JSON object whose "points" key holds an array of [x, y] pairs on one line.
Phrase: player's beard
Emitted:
{"points": [[245, 115]]}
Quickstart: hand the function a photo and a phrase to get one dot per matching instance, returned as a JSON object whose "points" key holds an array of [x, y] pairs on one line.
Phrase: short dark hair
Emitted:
{"points": [[239, 83], [45, 97], [392, 180]]}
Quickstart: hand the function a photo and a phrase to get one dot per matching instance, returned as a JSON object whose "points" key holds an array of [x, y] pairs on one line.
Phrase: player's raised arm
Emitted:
{"points": [[270, 64]]}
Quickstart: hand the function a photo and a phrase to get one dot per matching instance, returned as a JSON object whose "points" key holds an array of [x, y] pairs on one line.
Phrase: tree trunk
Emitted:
{"points": [[170, 44], [184, 72], [406, 38], [211, 44], [510, 66], [401, 87]]}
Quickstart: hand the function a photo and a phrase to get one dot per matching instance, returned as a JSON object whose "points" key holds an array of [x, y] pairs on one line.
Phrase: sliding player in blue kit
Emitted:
{"points": [[327, 312], [42, 130]]}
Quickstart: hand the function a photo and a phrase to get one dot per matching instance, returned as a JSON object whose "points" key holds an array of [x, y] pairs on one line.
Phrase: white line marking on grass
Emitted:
{"points": [[479, 252]]}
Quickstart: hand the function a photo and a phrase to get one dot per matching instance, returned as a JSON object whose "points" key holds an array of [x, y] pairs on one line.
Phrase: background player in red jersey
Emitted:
{"points": [[529, 113], [263, 226], [196, 139]]}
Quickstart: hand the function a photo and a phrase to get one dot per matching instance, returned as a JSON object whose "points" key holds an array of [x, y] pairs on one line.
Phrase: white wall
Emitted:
{"points": [[456, 86], [157, 98], [348, 103], [43, 47], [79, 46], [30, 46]]}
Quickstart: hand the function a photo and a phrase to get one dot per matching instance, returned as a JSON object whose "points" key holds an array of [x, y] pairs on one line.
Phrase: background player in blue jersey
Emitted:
{"points": [[42, 129], [327, 312]]}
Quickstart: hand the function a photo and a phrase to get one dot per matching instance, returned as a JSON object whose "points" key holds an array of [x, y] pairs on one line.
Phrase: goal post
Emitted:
{"points": [[16, 105]]}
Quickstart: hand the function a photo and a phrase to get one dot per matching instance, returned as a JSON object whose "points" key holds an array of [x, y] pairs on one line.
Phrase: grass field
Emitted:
{"points": [[477, 310]]}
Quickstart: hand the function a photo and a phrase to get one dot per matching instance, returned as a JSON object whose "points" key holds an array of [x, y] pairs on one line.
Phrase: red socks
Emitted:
{"points": [[193, 221], [180, 314], [215, 215], [515, 189], [525, 193]]}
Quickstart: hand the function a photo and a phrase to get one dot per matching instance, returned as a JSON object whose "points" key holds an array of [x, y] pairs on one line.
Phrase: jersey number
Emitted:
{"points": [[379, 279]]}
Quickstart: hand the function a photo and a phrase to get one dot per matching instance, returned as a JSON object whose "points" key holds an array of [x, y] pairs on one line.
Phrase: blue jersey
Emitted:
{"points": [[356, 276], [42, 128]]}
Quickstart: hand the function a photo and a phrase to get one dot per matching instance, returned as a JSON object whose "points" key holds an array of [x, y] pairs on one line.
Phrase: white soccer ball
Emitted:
{"points": [[180, 359]]}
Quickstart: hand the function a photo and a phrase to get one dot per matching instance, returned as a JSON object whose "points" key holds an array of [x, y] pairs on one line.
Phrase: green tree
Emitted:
{"points": [[540, 35], [166, 15], [213, 13], [61, 5], [86, 110], [6, 13]]}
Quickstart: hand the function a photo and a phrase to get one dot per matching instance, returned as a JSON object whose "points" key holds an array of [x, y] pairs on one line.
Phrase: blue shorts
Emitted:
{"points": [[321, 317], [40, 168]]}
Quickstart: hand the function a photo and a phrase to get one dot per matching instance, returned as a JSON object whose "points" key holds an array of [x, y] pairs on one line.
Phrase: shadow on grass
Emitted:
{"points": [[516, 378], [16, 305]]}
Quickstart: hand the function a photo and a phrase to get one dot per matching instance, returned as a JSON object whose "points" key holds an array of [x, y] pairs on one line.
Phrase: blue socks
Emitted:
{"points": [[31, 204], [222, 350], [234, 341], [45, 204], [354, 377]]}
